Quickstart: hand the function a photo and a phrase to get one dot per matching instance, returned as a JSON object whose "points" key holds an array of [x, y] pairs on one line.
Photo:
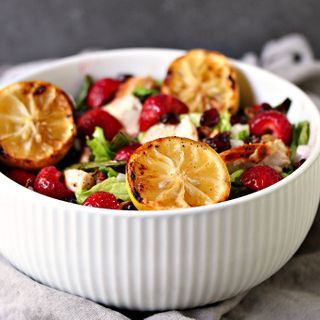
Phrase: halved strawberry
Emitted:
{"points": [[102, 91], [273, 122], [158, 105], [260, 177], [99, 118], [22, 177]]}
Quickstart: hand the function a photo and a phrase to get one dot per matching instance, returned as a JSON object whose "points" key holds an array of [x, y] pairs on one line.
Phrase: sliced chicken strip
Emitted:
{"points": [[127, 110], [272, 153], [185, 129]]}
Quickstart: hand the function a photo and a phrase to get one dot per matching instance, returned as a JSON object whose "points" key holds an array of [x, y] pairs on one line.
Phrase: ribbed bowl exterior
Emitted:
{"points": [[160, 262]]}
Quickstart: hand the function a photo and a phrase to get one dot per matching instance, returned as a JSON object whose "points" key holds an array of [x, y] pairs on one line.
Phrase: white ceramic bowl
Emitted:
{"points": [[165, 259]]}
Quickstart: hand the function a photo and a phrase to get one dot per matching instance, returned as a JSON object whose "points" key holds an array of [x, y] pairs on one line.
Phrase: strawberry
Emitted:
{"points": [[158, 105], [273, 122], [125, 152], [260, 177], [48, 182], [102, 199], [98, 118], [251, 111], [102, 91], [22, 177]]}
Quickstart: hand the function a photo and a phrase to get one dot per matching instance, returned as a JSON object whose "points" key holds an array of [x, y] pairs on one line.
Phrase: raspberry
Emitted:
{"points": [[48, 182], [102, 199], [273, 122], [22, 177], [125, 152], [260, 177], [99, 118], [101, 92], [210, 118], [158, 105]]}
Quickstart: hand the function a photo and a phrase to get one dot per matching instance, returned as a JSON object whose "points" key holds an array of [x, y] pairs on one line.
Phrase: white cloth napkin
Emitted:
{"points": [[293, 293]]}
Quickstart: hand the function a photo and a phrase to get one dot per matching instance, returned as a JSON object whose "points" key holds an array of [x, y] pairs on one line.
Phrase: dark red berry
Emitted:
{"points": [[210, 118], [102, 199], [299, 163], [220, 142], [251, 111], [169, 118], [99, 118], [100, 176], [49, 182], [22, 177], [238, 118], [252, 139], [101, 92], [260, 177], [125, 152], [158, 105], [204, 132], [273, 122], [128, 205], [284, 106]]}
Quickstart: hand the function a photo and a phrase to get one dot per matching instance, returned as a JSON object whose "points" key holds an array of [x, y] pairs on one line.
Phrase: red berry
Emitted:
{"points": [[260, 177], [257, 108], [48, 182], [210, 117], [125, 152], [158, 105], [102, 199], [99, 118], [219, 142], [102, 91], [22, 177], [273, 122], [100, 176]]}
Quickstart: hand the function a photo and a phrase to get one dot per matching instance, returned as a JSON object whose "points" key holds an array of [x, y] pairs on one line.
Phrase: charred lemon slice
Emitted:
{"points": [[203, 79], [175, 172], [36, 124]]}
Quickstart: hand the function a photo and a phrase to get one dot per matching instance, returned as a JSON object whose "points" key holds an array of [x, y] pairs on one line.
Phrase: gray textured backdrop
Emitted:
{"points": [[32, 29]]}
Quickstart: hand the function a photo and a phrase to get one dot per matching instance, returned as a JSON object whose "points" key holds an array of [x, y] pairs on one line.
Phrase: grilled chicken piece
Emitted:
{"points": [[75, 179], [185, 129], [127, 110], [272, 153]]}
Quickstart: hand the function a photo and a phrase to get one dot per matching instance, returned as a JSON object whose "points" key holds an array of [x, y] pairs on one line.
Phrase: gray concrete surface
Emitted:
{"points": [[32, 29]]}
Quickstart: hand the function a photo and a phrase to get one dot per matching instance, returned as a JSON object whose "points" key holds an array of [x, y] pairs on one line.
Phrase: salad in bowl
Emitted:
{"points": [[140, 143], [217, 143]]}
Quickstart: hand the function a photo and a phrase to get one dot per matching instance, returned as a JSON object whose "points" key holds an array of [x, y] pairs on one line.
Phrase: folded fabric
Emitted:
{"points": [[293, 293]]}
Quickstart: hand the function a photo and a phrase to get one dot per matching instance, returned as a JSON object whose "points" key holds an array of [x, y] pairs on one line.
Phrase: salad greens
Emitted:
{"points": [[112, 185], [81, 99], [301, 133]]}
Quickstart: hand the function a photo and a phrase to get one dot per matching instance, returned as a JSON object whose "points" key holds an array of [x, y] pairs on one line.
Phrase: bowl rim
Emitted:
{"points": [[47, 67]]}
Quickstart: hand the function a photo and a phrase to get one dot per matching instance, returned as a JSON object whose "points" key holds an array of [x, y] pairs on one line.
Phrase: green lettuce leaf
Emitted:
{"points": [[224, 122], [144, 93], [109, 172], [81, 98], [111, 185], [95, 165], [241, 135], [301, 134], [235, 177], [99, 146]]}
